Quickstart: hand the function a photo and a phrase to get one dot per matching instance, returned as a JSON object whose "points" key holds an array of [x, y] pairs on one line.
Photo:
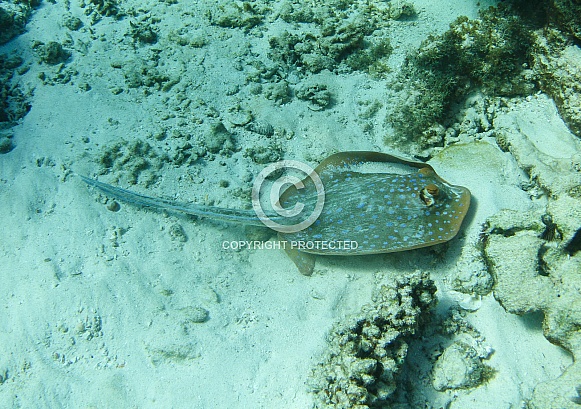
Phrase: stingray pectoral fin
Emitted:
{"points": [[355, 157], [305, 262]]}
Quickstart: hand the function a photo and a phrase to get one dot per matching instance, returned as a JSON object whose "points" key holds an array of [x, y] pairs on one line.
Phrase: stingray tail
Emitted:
{"points": [[212, 212]]}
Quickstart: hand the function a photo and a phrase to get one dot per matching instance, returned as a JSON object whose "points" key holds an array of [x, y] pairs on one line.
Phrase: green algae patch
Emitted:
{"points": [[489, 53]]}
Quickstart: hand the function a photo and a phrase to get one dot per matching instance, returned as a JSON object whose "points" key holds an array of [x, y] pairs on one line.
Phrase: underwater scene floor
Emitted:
{"points": [[150, 259]]}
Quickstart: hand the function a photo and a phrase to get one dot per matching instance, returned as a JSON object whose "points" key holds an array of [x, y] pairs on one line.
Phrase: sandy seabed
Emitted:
{"points": [[128, 307]]}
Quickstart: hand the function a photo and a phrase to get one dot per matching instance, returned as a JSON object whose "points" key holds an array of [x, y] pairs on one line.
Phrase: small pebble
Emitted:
{"points": [[113, 206], [5, 145], [196, 315], [177, 233]]}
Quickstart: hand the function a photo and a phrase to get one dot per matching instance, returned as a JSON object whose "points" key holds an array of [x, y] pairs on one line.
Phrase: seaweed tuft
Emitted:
{"points": [[491, 53]]}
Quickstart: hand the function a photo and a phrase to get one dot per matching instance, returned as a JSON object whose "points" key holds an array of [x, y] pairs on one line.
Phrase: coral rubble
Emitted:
{"points": [[487, 53], [366, 352], [530, 256], [557, 64]]}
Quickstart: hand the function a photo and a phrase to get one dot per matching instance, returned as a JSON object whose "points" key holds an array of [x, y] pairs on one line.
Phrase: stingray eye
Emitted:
{"points": [[433, 190], [429, 194]]}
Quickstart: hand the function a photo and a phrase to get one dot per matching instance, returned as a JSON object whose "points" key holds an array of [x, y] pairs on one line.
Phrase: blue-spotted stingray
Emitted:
{"points": [[402, 207]]}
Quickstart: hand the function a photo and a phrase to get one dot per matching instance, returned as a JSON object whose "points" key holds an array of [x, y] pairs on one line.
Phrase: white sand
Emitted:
{"points": [[95, 303]]}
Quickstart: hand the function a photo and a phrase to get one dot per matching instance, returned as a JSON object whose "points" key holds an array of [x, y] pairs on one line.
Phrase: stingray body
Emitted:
{"points": [[400, 206]]}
